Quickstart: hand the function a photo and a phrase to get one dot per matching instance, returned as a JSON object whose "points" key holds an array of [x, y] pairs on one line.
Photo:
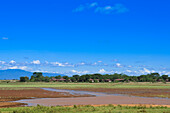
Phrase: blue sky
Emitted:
{"points": [[85, 36]]}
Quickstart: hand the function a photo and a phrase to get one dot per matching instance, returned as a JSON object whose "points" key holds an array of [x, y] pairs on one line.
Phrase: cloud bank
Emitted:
{"points": [[82, 67], [96, 8]]}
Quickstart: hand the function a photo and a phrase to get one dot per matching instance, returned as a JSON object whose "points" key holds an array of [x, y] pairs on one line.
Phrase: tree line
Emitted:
{"points": [[152, 77]]}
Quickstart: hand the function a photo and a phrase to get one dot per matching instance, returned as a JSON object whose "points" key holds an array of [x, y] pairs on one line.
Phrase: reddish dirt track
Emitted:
{"points": [[97, 101]]}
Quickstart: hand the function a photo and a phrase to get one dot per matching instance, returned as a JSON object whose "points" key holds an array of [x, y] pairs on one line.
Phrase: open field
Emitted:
{"points": [[133, 89], [13, 94], [88, 109], [138, 85], [18, 91]]}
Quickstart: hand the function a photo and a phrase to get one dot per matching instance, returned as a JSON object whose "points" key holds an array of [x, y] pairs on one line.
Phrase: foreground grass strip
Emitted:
{"points": [[88, 109]]}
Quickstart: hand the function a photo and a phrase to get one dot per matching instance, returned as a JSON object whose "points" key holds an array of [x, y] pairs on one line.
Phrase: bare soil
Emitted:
{"points": [[165, 93], [100, 100], [62, 99], [12, 95], [11, 104]]}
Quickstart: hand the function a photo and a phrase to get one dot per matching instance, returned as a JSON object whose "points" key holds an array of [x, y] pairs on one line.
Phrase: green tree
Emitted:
{"points": [[24, 79], [73, 79], [32, 79], [37, 74], [76, 77], [46, 79], [165, 77], [58, 77]]}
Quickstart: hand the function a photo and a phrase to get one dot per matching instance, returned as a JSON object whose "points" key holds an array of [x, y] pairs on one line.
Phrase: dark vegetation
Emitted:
{"points": [[153, 77]]}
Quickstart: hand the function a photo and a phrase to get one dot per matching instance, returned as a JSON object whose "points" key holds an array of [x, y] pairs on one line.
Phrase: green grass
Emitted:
{"points": [[85, 85], [87, 109]]}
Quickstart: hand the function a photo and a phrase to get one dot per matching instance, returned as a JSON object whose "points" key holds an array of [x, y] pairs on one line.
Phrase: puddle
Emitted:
{"points": [[74, 92]]}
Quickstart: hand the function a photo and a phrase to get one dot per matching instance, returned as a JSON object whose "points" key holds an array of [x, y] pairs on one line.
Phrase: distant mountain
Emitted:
{"points": [[17, 73]]}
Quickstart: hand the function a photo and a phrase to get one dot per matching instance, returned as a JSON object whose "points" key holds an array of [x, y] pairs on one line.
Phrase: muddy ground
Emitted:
{"points": [[11, 104], [12, 95], [62, 98], [165, 93], [99, 100]]}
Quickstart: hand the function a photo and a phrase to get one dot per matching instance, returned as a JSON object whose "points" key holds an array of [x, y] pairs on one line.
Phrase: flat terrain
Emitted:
{"points": [[133, 89], [87, 85], [99, 100], [13, 94], [88, 109], [141, 92], [18, 91]]}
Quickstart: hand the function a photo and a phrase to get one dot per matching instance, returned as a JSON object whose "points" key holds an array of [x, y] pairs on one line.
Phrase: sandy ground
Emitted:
{"points": [[97, 101]]}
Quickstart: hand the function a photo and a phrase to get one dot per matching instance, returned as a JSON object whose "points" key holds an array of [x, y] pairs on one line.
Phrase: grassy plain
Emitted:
{"points": [[84, 85], [88, 109], [153, 89], [144, 89]]}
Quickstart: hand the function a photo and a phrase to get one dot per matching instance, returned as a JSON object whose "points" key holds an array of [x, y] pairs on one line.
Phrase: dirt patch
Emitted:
{"points": [[13, 95], [11, 104], [165, 93], [99, 100]]}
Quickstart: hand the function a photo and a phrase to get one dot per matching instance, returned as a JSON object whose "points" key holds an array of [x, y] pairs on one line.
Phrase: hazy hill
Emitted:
{"points": [[17, 73]]}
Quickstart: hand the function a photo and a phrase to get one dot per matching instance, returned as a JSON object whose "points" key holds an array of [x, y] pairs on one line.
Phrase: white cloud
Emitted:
{"points": [[14, 67], [58, 64], [36, 62], [2, 62], [118, 65], [23, 67], [12, 62], [129, 66], [85, 7], [4, 38], [94, 63], [78, 72], [167, 73], [18, 67], [74, 71], [102, 71], [146, 71], [129, 71], [117, 8], [82, 63]]}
